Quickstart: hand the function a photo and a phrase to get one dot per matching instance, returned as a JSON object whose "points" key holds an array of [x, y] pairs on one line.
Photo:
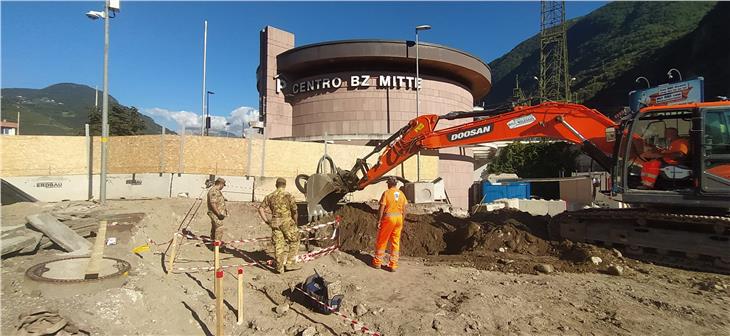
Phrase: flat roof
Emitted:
{"points": [[388, 55]]}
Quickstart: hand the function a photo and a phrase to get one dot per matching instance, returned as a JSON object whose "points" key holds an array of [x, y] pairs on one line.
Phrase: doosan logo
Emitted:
{"points": [[471, 133]]}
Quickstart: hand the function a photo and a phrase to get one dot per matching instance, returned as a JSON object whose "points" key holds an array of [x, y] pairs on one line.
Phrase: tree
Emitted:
{"points": [[122, 121], [542, 159]]}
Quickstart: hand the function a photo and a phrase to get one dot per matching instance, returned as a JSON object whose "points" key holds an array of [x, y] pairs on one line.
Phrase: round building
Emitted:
{"points": [[361, 91]]}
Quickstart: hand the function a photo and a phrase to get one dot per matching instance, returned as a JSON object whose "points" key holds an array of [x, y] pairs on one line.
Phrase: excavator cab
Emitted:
{"points": [[670, 155]]}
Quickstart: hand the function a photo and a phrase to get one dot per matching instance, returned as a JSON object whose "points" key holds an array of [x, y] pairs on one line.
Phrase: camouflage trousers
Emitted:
{"points": [[286, 243], [216, 227]]}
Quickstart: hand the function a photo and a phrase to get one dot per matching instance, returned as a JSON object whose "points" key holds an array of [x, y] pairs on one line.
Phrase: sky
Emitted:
{"points": [[156, 48]]}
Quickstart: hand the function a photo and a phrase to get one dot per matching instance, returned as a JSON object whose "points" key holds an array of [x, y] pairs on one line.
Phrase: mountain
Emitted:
{"points": [[612, 46], [63, 109]]}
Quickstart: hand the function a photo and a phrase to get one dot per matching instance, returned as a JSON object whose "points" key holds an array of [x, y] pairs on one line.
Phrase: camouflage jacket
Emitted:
{"points": [[281, 204], [215, 199]]}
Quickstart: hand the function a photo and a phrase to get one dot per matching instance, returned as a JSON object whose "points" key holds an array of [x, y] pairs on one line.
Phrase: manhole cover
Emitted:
{"points": [[73, 269]]}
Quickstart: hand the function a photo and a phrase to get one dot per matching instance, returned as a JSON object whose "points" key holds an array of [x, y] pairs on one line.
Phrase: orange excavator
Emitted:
{"points": [[687, 210]]}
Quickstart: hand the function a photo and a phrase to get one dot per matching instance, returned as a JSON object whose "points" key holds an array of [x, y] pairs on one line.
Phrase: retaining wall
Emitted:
{"points": [[56, 168]]}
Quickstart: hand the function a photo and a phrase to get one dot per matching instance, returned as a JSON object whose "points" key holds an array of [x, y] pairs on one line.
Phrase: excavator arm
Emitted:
{"points": [[558, 121]]}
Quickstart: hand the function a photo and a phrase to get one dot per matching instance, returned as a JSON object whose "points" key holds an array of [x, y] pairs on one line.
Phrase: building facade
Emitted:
{"points": [[361, 91]]}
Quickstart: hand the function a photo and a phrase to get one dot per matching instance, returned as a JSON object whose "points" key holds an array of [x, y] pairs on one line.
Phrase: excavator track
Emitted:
{"points": [[692, 241]]}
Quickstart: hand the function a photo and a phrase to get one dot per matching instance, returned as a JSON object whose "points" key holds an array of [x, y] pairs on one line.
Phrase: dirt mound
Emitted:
{"points": [[507, 240], [422, 235]]}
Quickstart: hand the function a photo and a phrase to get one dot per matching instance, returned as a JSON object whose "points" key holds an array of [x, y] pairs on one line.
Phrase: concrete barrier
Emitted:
{"points": [[533, 207], [542, 207], [54, 188], [136, 186], [192, 185]]}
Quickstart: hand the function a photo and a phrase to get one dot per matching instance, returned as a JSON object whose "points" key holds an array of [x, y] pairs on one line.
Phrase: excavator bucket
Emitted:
{"points": [[323, 191]]}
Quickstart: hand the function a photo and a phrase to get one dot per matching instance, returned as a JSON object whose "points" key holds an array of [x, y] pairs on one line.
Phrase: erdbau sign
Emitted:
{"points": [[689, 91], [353, 81]]}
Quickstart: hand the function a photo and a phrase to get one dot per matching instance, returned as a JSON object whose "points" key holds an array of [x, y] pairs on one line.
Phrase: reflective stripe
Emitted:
{"points": [[380, 252], [393, 214]]}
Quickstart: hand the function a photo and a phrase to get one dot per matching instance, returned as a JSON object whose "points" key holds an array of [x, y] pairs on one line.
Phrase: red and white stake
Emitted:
{"points": [[240, 296], [219, 313]]}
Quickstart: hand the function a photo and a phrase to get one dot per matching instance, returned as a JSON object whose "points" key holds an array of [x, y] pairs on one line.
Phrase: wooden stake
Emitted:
{"points": [[97, 253], [338, 219], [219, 313], [172, 253], [240, 295], [216, 261]]}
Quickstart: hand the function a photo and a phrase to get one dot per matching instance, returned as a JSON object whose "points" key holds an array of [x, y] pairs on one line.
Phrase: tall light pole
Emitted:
{"points": [[418, 88], [206, 120], [203, 128], [114, 5]]}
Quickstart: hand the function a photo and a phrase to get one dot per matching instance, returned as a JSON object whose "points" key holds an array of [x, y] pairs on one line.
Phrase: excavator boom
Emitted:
{"points": [[558, 121]]}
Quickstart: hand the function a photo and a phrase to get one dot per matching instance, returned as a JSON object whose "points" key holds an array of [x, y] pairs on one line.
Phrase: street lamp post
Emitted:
{"points": [[105, 98], [418, 88], [207, 111], [648, 85], [669, 73]]}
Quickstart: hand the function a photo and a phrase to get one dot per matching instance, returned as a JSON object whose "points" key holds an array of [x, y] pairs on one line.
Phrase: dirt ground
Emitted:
{"points": [[458, 276]]}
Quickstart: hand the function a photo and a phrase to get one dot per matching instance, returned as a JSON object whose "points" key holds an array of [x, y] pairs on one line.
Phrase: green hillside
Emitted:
{"points": [[63, 109], [618, 42]]}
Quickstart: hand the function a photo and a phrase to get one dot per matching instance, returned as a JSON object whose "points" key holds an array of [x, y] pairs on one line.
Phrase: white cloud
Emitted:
{"points": [[186, 118], [237, 119]]}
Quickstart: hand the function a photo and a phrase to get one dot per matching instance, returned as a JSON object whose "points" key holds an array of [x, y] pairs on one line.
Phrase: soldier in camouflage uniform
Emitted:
{"points": [[283, 223], [217, 209]]}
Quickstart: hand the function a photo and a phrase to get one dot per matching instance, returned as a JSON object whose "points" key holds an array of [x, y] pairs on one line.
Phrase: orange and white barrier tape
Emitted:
{"points": [[189, 235], [299, 258], [358, 326]]}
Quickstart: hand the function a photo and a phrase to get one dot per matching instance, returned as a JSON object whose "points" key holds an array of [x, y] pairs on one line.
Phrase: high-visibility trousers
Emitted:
{"points": [[390, 229], [650, 172]]}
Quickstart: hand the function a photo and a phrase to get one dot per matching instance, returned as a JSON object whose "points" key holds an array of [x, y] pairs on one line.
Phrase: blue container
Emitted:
{"points": [[491, 192]]}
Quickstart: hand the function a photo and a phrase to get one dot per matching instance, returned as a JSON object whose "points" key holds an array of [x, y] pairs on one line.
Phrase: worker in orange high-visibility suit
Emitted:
{"points": [[390, 223], [676, 153]]}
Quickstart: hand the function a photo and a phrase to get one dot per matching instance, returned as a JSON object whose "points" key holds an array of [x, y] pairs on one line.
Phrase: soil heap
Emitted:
{"points": [[507, 239]]}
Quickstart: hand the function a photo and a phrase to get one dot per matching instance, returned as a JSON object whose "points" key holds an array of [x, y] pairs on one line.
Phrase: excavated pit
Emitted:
{"points": [[506, 240]]}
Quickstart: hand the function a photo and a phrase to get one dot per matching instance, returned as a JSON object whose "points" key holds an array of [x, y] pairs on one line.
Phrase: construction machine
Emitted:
{"points": [[686, 211]]}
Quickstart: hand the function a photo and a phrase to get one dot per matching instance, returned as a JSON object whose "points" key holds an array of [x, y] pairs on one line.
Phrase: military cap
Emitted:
{"points": [[220, 180], [280, 181]]}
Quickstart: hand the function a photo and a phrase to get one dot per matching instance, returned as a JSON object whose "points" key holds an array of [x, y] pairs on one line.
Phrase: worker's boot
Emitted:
{"points": [[293, 267]]}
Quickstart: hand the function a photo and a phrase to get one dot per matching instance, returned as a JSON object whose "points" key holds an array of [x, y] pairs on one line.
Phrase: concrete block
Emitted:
{"points": [[59, 233], [542, 207], [578, 192], [439, 190], [487, 207], [509, 202], [419, 192]]}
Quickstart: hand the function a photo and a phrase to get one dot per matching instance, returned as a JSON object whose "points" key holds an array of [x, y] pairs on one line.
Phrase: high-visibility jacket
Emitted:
{"points": [[394, 201], [679, 145]]}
